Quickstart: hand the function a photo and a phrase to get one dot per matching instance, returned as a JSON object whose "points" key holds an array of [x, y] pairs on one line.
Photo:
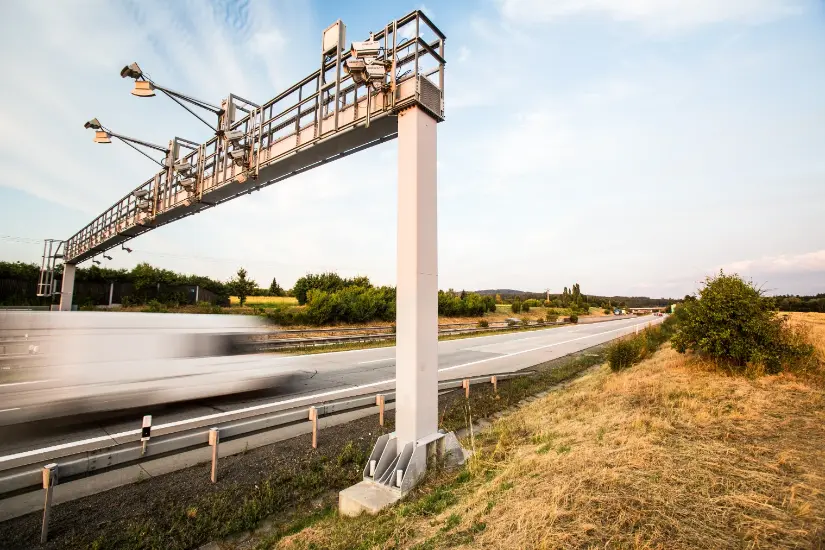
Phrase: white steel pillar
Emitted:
{"points": [[416, 369], [67, 288]]}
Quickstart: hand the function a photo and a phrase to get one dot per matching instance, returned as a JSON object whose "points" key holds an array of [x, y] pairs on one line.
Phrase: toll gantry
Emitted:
{"points": [[348, 104], [390, 85]]}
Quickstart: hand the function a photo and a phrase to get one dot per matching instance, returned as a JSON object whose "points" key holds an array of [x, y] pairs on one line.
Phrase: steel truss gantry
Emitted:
{"points": [[321, 118]]}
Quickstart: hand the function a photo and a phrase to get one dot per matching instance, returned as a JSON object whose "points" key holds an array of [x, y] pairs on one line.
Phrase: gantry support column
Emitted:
{"points": [[67, 288], [416, 363]]}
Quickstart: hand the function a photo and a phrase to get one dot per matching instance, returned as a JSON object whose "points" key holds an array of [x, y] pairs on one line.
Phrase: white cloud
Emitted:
{"points": [[655, 15], [785, 263]]}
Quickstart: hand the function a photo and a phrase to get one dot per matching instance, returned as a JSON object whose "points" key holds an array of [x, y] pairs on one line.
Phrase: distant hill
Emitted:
{"points": [[502, 291]]}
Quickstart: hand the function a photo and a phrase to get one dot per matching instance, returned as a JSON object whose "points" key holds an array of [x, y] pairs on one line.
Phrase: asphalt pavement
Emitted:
{"points": [[326, 374]]}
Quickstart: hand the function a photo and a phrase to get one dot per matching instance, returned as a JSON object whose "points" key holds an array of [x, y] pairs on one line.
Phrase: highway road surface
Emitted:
{"points": [[329, 373]]}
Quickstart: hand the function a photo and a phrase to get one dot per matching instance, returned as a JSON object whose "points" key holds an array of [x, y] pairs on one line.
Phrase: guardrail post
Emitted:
{"points": [[49, 481], [379, 400], [214, 440], [466, 385], [313, 416], [494, 382]]}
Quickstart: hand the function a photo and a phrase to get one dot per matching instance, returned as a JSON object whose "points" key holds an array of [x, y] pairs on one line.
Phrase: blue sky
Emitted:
{"points": [[633, 146]]}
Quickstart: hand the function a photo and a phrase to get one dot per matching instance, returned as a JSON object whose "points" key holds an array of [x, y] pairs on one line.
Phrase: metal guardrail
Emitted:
{"points": [[273, 341], [22, 472]]}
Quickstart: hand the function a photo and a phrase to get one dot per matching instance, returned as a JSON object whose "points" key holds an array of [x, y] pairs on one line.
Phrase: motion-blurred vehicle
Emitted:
{"points": [[62, 363]]}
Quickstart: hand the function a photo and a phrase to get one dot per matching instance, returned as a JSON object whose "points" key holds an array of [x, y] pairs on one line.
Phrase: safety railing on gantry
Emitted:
{"points": [[283, 136]]}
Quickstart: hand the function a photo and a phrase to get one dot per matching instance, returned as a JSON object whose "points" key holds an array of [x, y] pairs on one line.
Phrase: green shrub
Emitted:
{"points": [[285, 316], [468, 304], [483, 323], [352, 304], [625, 352], [154, 306], [731, 321], [328, 282]]}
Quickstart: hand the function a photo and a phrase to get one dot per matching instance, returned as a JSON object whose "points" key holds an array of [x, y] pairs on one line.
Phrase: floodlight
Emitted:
{"points": [[131, 71], [367, 48], [102, 136], [143, 88], [94, 123], [107, 257]]}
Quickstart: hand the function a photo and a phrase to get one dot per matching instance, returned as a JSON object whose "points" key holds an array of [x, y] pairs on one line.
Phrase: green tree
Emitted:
{"points": [[241, 286], [328, 282], [275, 289]]}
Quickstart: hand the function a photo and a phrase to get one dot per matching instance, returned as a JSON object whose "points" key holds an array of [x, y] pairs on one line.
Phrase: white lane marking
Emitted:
{"points": [[315, 397], [376, 360], [23, 383], [9, 410]]}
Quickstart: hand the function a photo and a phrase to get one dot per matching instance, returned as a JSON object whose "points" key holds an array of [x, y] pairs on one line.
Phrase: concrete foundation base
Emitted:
{"points": [[366, 496], [390, 474]]}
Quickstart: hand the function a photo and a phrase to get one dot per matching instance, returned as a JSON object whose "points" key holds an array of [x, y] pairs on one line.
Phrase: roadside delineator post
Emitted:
{"points": [[313, 416], [49, 481], [466, 385], [380, 400], [214, 440], [145, 433]]}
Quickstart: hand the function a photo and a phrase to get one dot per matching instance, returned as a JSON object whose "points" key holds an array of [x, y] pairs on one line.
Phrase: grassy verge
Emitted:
{"points": [[664, 454], [309, 350]]}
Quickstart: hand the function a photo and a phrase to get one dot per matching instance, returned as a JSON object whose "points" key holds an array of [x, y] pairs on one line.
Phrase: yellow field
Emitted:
{"points": [[265, 300]]}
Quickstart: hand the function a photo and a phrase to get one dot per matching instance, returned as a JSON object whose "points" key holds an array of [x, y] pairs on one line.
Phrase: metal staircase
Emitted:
{"points": [[52, 251]]}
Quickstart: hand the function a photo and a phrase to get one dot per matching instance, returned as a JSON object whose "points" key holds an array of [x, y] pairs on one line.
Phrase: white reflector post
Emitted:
{"points": [[416, 352], [145, 432]]}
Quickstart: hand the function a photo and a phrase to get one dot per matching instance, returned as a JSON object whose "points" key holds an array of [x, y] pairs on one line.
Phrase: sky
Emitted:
{"points": [[632, 146]]}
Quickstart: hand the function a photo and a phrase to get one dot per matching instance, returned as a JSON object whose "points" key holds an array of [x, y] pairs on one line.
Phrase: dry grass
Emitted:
{"points": [[815, 323], [252, 301], [667, 454]]}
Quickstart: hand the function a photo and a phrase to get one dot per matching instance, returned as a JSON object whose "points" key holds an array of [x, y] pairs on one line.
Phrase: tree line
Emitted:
{"points": [[801, 303]]}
